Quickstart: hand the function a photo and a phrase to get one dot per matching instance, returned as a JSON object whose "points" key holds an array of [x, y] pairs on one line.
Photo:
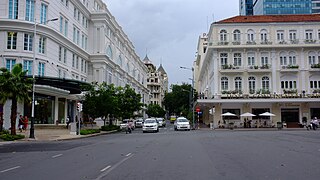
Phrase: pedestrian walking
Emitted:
{"points": [[20, 123], [25, 122], [68, 122]]}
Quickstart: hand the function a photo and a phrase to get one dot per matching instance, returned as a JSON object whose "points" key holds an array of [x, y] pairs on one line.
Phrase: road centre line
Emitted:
{"points": [[55, 156], [9, 169], [106, 172], [105, 168], [128, 154]]}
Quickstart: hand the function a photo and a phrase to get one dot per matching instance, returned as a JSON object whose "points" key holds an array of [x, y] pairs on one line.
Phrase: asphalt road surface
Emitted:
{"points": [[185, 155]]}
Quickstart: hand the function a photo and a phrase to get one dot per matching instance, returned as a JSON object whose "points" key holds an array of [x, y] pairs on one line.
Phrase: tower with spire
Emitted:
{"points": [[157, 82]]}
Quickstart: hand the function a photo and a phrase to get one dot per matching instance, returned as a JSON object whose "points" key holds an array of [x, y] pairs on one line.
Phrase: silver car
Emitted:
{"points": [[161, 122], [181, 124]]}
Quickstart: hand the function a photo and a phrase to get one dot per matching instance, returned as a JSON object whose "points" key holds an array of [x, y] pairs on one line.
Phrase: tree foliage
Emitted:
{"points": [[103, 100], [154, 110], [178, 101], [14, 85]]}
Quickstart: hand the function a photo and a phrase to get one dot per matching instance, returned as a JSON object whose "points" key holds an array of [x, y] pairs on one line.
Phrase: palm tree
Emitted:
{"points": [[14, 85]]}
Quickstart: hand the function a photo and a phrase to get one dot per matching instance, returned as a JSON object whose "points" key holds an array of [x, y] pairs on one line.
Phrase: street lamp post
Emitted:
{"points": [[192, 91], [33, 75]]}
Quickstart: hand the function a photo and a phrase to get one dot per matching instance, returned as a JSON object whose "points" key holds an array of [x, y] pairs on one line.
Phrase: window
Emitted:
{"points": [[109, 52], [120, 61], [64, 26], [292, 58], [314, 84], [82, 65], [13, 9], [292, 35], [43, 13], [252, 85], [283, 59], [224, 84], [74, 60], [263, 35], [12, 40], [250, 35], [41, 69], [251, 59], [76, 35], [288, 84], [27, 66], [312, 58], [10, 63], [60, 53], [65, 55], [77, 62], [27, 44], [237, 59], [29, 10], [265, 83], [42, 45], [238, 84], [264, 59], [224, 58], [223, 35], [309, 34], [236, 35], [280, 35]]}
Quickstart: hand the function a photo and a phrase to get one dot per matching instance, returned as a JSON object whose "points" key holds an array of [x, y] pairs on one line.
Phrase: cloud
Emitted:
{"points": [[169, 29]]}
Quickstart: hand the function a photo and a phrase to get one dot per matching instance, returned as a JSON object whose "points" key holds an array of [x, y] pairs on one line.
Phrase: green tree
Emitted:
{"points": [[178, 101], [128, 102], [100, 101], [14, 85], [154, 110]]}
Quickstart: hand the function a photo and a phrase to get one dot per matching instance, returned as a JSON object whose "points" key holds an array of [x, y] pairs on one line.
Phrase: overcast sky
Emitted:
{"points": [[168, 30]]}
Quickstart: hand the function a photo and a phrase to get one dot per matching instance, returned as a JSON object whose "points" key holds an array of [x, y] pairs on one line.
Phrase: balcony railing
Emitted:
{"points": [[310, 41]]}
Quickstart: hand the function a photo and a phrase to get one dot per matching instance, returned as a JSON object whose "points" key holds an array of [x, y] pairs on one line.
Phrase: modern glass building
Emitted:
{"points": [[315, 6], [268, 7], [246, 7]]}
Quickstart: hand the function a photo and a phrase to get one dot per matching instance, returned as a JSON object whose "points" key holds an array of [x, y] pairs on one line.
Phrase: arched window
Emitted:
{"points": [[223, 35], [223, 59], [263, 35], [109, 52], [265, 83], [283, 59], [238, 84], [250, 35], [236, 35], [312, 58], [252, 85], [251, 59], [292, 58], [237, 59], [224, 84]]}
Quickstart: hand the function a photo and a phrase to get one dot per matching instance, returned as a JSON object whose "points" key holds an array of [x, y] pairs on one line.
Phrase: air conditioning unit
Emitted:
{"points": [[284, 67]]}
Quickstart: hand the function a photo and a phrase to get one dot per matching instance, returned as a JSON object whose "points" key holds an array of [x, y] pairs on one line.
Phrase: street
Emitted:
{"points": [[199, 154]]}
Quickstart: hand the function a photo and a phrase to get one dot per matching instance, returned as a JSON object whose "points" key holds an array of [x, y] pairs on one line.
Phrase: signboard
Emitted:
{"points": [[198, 109]]}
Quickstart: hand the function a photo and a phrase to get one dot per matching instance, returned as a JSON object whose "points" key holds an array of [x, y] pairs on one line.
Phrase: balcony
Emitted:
{"points": [[236, 42], [290, 68], [223, 43], [251, 43], [265, 42], [310, 41], [294, 41], [263, 68], [282, 42], [231, 68]]}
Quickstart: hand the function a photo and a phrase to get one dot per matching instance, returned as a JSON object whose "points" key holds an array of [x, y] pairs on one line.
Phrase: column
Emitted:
{"points": [[56, 109]]}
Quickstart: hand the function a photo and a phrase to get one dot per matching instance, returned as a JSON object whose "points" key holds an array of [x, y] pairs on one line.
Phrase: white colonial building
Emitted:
{"points": [[260, 64], [77, 41]]}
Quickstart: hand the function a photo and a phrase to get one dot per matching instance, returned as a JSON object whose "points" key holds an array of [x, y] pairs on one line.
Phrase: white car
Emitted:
{"points": [[139, 122], [182, 124], [161, 122], [150, 125]]}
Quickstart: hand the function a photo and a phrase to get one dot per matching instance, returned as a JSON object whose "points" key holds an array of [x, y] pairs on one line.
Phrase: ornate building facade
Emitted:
{"points": [[76, 40]]}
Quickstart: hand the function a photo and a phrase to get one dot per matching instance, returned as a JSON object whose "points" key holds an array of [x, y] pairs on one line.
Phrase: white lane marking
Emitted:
{"points": [[55, 156], [128, 154], [9, 169], [105, 168], [105, 173]]}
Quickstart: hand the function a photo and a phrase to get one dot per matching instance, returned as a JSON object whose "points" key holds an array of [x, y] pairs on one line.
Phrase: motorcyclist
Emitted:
{"points": [[129, 126], [314, 123]]}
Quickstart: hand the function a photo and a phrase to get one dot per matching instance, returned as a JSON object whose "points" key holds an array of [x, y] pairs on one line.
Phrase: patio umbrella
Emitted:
{"points": [[267, 114], [228, 114], [247, 114]]}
